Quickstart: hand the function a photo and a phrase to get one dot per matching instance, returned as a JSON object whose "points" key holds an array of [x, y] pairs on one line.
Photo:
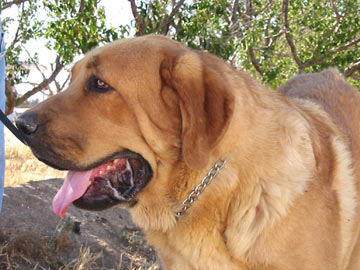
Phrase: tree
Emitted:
{"points": [[271, 39], [72, 28]]}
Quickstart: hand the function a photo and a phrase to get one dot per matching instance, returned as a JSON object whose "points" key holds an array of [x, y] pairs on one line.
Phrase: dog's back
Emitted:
{"points": [[338, 98], [342, 102]]}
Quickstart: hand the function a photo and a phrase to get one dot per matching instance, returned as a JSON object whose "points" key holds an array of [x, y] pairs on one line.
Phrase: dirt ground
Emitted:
{"points": [[33, 237]]}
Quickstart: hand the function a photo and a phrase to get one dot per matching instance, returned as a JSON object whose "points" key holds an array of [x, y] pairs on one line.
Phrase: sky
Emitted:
{"points": [[117, 13]]}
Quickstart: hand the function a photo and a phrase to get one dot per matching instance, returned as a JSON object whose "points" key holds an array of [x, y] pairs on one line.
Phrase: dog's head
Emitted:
{"points": [[133, 109]]}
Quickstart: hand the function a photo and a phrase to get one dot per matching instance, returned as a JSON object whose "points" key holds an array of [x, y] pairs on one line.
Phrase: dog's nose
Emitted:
{"points": [[27, 123]]}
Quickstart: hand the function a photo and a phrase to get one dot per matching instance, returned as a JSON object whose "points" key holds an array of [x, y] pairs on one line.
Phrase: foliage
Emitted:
{"points": [[71, 28], [28, 27], [271, 39]]}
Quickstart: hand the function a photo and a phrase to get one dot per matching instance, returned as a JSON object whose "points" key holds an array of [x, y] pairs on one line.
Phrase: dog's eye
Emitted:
{"points": [[101, 84], [97, 85]]}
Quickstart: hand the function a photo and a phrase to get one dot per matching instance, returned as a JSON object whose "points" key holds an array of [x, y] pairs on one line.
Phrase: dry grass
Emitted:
{"points": [[21, 166], [20, 249], [35, 251], [85, 261]]}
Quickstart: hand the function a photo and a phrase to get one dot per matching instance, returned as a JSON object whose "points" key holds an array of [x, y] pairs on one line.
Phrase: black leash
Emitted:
{"points": [[11, 127]]}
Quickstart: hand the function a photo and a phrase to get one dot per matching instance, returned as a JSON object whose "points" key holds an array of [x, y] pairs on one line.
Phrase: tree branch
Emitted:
{"points": [[268, 4], [320, 60], [254, 61], [165, 24], [233, 13], [344, 47], [10, 97], [266, 33], [248, 14], [338, 16], [148, 12], [20, 25], [15, 2], [82, 6], [139, 21], [326, 36], [356, 77], [35, 64], [234, 21], [352, 69], [60, 88], [16, 37], [43, 84], [247, 17], [289, 40]]}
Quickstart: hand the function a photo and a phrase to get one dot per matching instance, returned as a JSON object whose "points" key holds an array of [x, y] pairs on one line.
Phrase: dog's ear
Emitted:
{"points": [[206, 104]]}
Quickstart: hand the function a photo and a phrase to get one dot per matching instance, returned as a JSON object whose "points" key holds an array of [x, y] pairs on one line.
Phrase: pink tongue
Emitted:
{"points": [[74, 186]]}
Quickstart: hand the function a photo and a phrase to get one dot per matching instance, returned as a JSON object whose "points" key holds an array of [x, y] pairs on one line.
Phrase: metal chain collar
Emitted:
{"points": [[195, 193]]}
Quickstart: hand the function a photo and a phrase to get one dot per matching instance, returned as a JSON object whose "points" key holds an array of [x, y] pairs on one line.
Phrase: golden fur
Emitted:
{"points": [[288, 195]]}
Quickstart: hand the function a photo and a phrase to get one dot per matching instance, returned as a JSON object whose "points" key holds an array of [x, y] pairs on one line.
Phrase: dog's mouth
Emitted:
{"points": [[116, 180]]}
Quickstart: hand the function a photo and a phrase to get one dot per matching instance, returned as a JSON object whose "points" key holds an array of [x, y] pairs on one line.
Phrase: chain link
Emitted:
{"points": [[195, 193]]}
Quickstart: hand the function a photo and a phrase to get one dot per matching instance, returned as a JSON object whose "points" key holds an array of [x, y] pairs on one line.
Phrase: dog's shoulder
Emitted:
{"points": [[326, 87], [332, 92]]}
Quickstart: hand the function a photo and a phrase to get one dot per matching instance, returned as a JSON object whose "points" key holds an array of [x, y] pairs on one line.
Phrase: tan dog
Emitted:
{"points": [[145, 119]]}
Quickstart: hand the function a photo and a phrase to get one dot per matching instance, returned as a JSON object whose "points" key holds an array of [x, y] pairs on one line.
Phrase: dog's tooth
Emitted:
{"points": [[128, 166], [109, 167], [116, 160], [101, 172]]}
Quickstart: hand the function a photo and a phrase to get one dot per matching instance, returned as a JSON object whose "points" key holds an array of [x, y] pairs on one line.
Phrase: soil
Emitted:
{"points": [[27, 214]]}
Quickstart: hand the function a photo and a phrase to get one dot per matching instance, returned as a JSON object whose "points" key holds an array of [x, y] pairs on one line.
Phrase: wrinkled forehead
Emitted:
{"points": [[101, 62], [90, 61], [129, 50], [128, 61]]}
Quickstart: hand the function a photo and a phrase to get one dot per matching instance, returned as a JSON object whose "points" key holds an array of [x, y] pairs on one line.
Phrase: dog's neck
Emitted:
{"points": [[196, 192]]}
